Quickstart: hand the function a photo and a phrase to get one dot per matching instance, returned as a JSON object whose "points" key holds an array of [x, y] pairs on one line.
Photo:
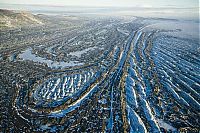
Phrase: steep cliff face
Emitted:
{"points": [[9, 18]]}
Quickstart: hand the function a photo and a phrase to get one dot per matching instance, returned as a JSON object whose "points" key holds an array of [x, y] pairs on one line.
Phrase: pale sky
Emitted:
{"points": [[115, 3]]}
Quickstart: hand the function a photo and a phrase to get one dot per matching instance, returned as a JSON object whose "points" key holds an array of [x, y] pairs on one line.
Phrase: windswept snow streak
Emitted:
{"points": [[108, 75]]}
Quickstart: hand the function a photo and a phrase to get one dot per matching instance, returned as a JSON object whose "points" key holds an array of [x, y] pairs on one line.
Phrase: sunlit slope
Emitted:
{"points": [[10, 18]]}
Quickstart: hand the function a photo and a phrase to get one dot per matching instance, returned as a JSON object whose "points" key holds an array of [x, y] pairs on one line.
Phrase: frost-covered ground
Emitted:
{"points": [[102, 72], [27, 55]]}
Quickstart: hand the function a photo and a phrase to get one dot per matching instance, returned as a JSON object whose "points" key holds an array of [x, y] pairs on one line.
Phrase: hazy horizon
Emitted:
{"points": [[167, 12], [109, 3]]}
